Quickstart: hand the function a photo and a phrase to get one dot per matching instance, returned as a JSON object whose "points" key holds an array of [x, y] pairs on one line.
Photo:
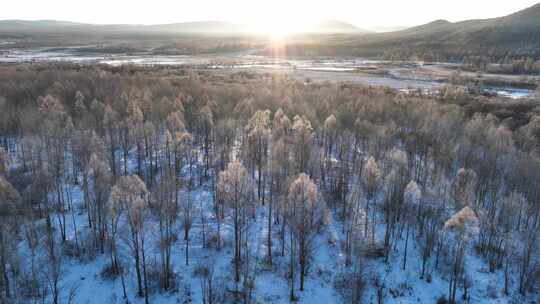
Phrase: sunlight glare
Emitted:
{"points": [[279, 24]]}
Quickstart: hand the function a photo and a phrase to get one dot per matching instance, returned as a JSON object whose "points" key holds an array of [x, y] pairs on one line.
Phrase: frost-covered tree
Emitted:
{"points": [[55, 134], [428, 223], [371, 177], [258, 135], [183, 153], [302, 132], [130, 130], [281, 124], [235, 187], [137, 215], [329, 134], [279, 169], [98, 172], [462, 226], [304, 215], [150, 153], [163, 200], [206, 129], [463, 187], [394, 185], [371, 181], [129, 195], [411, 199], [110, 124], [134, 123], [354, 221]]}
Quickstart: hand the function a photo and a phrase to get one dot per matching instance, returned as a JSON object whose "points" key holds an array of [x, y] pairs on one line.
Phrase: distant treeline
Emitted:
{"points": [[507, 65]]}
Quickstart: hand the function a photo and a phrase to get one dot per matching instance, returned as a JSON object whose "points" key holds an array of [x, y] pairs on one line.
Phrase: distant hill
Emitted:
{"points": [[517, 34], [59, 27], [386, 29], [203, 27], [195, 27], [514, 35], [21, 26], [335, 26]]}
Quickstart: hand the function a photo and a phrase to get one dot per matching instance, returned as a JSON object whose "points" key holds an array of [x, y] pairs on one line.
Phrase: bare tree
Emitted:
{"points": [[9, 198], [528, 265], [207, 276], [163, 198], [4, 158]]}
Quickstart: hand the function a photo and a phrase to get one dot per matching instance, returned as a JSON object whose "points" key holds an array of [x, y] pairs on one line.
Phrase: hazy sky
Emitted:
{"points": [[374, 13]]}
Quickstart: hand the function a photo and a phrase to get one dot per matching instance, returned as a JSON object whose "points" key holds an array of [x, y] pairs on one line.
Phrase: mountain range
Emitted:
{"points": [[201, 27], [517, 34]]}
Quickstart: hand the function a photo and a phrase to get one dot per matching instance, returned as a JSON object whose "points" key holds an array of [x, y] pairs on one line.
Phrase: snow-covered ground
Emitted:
{"points": [[271, 284], [82, 279]]}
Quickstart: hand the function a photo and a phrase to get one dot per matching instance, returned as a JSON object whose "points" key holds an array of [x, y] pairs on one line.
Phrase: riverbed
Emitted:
{"points": [[404, 76]]}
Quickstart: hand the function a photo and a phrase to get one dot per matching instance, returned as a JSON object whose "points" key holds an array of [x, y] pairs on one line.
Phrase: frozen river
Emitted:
{"points": [[400, 76]]}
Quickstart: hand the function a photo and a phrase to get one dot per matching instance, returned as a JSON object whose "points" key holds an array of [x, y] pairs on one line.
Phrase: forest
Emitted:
{"points": [[169, 185]]}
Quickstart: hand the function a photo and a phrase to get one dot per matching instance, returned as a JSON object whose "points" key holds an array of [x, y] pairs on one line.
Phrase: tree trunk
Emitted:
{"points": [[269, 238], [292, 254], [136, 252], [5, 277], [144, 270], [406, 245]]}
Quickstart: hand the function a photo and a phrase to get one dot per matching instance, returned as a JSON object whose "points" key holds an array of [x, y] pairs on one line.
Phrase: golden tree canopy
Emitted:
{"points": [[465, 222]]}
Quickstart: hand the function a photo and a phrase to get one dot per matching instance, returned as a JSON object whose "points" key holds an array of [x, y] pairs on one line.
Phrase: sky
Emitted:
{"points": [[283, 13]]}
